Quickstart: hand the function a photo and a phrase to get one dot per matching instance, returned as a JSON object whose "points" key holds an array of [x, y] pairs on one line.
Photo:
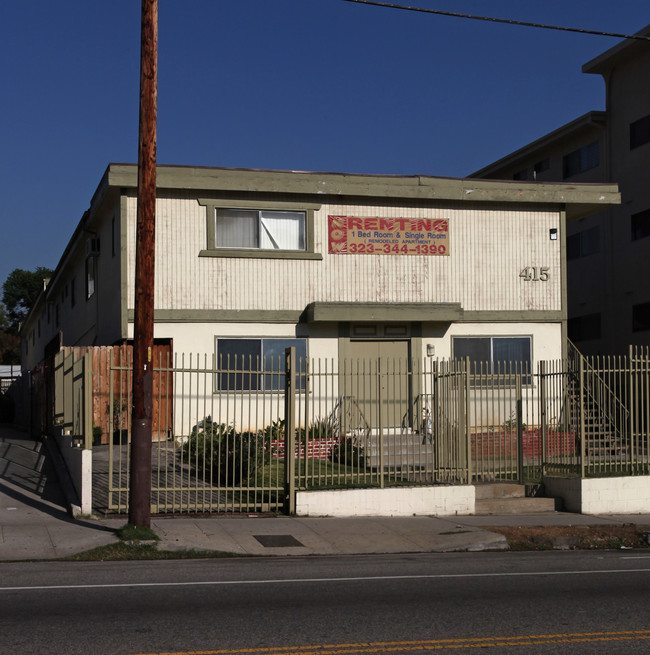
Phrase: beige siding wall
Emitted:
{"points": [[88, 320], [488, 249]]}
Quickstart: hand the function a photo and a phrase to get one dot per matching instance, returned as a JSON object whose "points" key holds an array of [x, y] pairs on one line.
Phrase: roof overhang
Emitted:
{"points": [[624, 50], [576, 199]]}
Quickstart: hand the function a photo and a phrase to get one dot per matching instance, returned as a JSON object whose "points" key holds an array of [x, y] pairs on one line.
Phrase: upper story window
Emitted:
{"points": [[584, 328], [639, 132], [640, 224], [641, 317], [260, 229], [91, 276], [521, 175], [541, 166], [581, 160], [583, 243]]}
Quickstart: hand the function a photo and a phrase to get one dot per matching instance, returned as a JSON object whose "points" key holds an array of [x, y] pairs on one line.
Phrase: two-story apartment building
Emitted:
{"points": [[249, 262], [608, 253]]}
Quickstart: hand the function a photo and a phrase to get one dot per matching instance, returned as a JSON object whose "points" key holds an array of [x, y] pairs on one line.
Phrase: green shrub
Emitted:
{"points": [[348, 452], [321, 428], [275, 430], [229, 456]]}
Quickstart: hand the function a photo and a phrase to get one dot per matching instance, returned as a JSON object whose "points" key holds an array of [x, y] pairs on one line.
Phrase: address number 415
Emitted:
{"points": [[534, 274]]}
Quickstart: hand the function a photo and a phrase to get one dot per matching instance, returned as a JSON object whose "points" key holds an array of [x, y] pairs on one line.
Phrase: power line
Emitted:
{"points": [[439, 12]]}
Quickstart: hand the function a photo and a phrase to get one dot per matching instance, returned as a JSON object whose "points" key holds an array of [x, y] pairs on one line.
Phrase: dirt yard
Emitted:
{"points": [[577, 537]]}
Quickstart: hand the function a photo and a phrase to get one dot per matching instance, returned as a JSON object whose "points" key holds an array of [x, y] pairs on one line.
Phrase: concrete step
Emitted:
{"points": [[500, 490], [514, 506]]}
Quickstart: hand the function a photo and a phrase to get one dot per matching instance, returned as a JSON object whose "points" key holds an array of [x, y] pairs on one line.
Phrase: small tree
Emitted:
{"points": [[19, 293]]}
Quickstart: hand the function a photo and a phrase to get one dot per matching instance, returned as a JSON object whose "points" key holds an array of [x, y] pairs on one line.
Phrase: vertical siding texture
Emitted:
{"points": [[487, 251]]}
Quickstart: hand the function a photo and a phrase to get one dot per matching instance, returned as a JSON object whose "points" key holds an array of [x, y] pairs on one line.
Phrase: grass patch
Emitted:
{"points": [[136, 533], [123, 551]]}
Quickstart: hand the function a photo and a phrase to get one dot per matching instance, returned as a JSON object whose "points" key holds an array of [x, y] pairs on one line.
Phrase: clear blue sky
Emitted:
{"points": [[319, 85]]}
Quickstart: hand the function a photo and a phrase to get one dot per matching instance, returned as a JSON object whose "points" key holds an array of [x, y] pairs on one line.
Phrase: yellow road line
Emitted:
{"points": [[422, 645]]}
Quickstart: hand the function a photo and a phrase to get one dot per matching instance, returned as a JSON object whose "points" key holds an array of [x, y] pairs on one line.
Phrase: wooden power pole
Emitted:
{"points": [[142, 385]]}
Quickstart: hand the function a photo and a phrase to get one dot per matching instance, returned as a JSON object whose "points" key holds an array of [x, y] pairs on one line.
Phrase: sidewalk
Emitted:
{"points": [[34, 522]]}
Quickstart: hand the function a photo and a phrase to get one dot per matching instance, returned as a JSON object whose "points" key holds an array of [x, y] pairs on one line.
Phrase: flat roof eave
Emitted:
{"points": [[576, 198]]}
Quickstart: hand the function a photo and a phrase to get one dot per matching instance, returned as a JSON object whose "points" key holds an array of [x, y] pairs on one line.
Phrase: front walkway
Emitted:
{"points": [[34, 521]]}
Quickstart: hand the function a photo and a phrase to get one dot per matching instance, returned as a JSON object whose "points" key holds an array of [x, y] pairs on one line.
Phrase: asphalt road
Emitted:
{"points": [[549, 602]]}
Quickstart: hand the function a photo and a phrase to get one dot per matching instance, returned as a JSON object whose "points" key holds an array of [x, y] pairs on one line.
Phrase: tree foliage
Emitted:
{"points": [[19, 292]]}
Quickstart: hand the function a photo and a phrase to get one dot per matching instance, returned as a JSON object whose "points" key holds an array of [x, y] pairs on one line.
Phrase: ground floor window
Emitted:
{"points": [[256, 364], [494, 356]]}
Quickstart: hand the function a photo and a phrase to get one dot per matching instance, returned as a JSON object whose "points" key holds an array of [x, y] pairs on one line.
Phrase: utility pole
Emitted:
{"points": [[142, 384]]}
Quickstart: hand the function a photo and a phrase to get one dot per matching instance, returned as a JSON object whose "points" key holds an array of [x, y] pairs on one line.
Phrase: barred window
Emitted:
{"points": [[496, 356], [257, 364]]}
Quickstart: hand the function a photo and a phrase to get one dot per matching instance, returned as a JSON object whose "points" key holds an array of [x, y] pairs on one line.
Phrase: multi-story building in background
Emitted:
{"points": [[608, 253]]}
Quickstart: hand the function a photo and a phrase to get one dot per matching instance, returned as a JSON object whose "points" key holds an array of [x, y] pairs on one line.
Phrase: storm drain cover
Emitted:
{"points": [[278, 540]]}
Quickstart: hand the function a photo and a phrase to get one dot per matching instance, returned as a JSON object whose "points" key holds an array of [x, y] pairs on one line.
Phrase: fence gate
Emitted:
{"points": [[486, 421], [202, 459]]}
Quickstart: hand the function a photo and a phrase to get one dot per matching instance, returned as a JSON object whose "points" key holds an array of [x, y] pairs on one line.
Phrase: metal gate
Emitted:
{"points": [[200, 464]]}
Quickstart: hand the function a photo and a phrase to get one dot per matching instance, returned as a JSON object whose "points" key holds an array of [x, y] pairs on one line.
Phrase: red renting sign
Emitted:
{"points": [[372, 235]]}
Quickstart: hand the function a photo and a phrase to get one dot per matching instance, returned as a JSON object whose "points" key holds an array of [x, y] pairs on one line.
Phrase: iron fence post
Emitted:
{"points": [[382, 477], [520, 430], [630, 422], [433, 414], [289, 431], [88, 400], [466, 421], [581, 406], [542, 415]]}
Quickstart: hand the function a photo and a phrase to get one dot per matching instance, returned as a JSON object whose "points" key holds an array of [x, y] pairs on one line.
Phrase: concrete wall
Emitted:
{"points": [[414, 501], [626, 495]]}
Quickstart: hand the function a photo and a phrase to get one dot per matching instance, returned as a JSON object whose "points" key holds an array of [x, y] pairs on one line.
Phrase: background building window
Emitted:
{"points": [[265, 230], [583, 243], [581, 160], [639, 132], [91, 276], [640, 224], [541, 166], [521, 175], [641, 317], [492, 355], [584, 328], [257, 364]]}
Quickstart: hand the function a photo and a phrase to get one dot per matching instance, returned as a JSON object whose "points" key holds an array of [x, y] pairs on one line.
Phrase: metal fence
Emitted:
{"points": [[243, 435]]}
